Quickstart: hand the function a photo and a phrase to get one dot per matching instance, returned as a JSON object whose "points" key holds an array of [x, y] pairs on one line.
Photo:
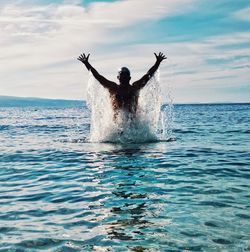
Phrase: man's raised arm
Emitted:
{"points": [[143, 81], [103, 81]]}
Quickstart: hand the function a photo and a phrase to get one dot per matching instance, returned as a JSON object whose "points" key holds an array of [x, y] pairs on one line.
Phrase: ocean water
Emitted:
{"points": [[60, 192]]}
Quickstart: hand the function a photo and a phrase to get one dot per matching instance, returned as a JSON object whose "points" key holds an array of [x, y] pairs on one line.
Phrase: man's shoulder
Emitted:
{"points": [[113, 87]]}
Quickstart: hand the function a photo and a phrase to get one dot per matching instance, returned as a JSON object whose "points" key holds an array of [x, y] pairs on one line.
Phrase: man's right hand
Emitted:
{"points": [[160, 57], [83, 58]]}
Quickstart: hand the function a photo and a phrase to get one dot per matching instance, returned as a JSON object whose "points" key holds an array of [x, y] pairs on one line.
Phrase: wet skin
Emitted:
{"points": [[124, 96]]}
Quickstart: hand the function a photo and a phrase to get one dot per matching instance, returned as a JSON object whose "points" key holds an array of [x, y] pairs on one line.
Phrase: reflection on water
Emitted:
{"points": [[130, 215]]}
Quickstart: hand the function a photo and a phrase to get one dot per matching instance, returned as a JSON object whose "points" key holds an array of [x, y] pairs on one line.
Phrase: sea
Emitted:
{"points": [[60, 191]]}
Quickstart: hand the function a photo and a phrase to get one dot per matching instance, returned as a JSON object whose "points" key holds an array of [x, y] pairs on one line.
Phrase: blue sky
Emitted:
{"points": [[207, 44]]}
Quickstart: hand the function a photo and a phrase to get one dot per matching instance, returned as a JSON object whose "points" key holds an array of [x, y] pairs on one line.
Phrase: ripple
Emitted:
{"points": [[211, 224], [214, 204], [191, 233], [34, 197], [222, 241], [4, 230], [243, 216], [41, 243]]}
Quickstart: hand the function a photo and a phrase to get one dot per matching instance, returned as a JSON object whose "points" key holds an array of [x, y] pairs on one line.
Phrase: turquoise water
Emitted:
{"points": [[59, 192]]}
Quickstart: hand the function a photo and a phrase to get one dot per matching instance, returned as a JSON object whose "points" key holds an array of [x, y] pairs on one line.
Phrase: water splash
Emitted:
{"points": [[152, 123]]}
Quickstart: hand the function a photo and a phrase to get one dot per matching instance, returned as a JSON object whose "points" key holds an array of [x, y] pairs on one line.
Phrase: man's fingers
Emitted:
{"points": [[162, 56], [84, 56]]}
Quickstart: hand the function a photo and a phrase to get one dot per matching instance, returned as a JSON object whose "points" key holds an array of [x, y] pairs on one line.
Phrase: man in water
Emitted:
{"points": [[123, 96]]}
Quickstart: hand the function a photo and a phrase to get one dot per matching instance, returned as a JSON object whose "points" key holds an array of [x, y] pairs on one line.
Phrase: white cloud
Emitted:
{"points": [[243, 14], [127, 12]]}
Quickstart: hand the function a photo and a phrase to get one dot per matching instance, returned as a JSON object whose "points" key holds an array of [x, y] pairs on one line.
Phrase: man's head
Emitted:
{"points": [[124, 75]]}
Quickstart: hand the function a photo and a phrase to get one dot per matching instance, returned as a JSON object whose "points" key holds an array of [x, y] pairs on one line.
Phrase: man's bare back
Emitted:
{"points": [[123, 96]]}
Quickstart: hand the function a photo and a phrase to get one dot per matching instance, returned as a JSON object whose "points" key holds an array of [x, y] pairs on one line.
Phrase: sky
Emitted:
{"points": [[207, 43]]}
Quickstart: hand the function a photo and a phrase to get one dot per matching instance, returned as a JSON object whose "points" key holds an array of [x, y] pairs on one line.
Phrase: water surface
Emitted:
{"points": [[59, 192]]}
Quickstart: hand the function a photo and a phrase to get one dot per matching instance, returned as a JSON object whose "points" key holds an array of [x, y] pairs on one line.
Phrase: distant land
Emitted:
{"points": [[12, 101]]}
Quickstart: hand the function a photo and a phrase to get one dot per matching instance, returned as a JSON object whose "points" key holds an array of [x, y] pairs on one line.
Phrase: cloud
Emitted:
{"points": [[123, 13], [39, 45], [192, 68], [243, 14]]}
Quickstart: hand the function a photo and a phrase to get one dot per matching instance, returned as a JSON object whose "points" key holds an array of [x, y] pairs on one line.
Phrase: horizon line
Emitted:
{"points": [[83, 100]]}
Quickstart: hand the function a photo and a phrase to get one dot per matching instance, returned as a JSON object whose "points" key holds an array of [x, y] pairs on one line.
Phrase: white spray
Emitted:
{"points": [[151, 123]]}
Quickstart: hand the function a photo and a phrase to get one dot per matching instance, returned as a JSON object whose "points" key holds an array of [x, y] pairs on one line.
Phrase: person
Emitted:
{"points": [[123, 96]]}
